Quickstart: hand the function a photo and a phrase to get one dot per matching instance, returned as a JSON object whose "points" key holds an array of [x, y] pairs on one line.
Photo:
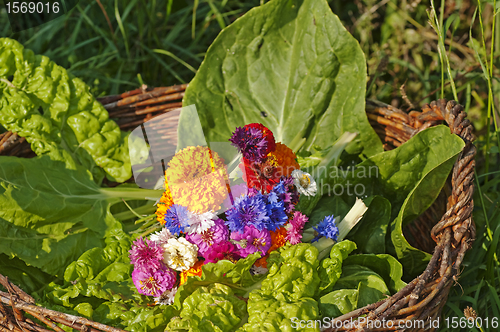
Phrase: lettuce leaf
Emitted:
{"points": [[210, 308], [58, 115], [287, 291]]}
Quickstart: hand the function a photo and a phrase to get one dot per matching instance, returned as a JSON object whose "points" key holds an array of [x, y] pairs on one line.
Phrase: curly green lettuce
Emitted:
{"points": [[58, 115], [213, 308], [287, 292]]}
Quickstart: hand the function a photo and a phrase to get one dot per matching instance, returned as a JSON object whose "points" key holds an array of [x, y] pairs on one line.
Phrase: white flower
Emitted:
{"points": [[180, 254], [198, 223], [162, 236], [167, 297], [304, 182], [258, 270]]}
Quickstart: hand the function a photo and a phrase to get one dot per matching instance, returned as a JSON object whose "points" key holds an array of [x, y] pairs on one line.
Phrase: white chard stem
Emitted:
{"points": [[351, 219]]}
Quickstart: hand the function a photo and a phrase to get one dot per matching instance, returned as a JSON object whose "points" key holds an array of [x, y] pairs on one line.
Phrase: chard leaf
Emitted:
{"points": [[370, 233], [29, 278], [374, 287], [99, 286], [294, 62], [50, 214], [386, 266], [410, 177], [338, 302], [58, 115]]}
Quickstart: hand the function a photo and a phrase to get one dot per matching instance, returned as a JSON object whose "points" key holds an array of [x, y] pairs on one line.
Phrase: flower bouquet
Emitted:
{"points": [[259, 215]]}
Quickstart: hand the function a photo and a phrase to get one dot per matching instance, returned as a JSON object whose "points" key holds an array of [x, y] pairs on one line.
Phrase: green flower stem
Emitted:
{"points": [[324, 245], [135, 193]]}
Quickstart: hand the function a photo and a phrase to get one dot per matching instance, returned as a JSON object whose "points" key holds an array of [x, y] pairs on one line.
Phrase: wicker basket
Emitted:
{"points": [[446, 229]]}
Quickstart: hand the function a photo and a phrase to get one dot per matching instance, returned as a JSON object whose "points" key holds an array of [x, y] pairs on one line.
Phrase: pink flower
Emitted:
{"points": [[215, 234], [222, 250], [252, 240], [146, 254], [294, 227], [299, 219], [153, 282]]}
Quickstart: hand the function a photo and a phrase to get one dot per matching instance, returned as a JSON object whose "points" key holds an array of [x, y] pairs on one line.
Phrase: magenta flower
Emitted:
{"points": [[294, 228], [154, 282], [216, 234], [222, 250], [252, 240], [299, 220], [146, 254]]}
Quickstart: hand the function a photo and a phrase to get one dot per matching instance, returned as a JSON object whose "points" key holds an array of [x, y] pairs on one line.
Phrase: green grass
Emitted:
{"points": [[456, 56]]}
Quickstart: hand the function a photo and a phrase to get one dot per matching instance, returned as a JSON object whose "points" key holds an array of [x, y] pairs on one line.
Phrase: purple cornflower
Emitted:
{"points": [[327, 228], [223, 250], [215, 234], [176, 219], [252, 240], [247, 210], [146, 254], [287, 193], [275, 211], [154, 282], [251, 143]]}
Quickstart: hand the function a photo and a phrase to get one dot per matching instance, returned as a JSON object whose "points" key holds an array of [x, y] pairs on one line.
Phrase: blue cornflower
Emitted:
{"points": [[275, 211], [287, 193], [247, 210], [327, 228], [176, 219]]}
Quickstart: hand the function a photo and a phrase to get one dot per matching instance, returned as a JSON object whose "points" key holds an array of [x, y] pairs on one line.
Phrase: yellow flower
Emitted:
{"points": [[197, 179], [164, 204]]}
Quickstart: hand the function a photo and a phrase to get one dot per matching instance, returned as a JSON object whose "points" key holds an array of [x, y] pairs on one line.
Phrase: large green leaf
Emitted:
{"points": [[29, 278], [50, 215], [99, 286], [290, 65], [370, 233], [410, 177], [58, 115]]}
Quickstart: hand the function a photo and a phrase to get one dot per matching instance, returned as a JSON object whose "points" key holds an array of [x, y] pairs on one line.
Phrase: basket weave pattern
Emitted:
{"points": [[448, 237]]}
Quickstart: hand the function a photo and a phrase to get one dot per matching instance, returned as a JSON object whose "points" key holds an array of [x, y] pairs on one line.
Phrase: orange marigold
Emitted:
{"points": [[195, 270], [262, 262], [197, 179], [164, 204], [287, 160], [277, 240]]}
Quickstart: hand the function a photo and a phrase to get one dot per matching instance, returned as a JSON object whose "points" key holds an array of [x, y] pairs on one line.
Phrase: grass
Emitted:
{"points": [[435, 49]]}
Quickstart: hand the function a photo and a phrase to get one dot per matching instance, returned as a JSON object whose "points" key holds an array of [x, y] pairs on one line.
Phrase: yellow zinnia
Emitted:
{"points": [[197, 179]]}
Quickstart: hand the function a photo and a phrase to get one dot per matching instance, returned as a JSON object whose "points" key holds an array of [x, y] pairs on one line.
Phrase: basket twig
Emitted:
{"points": [[15, 303]]}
